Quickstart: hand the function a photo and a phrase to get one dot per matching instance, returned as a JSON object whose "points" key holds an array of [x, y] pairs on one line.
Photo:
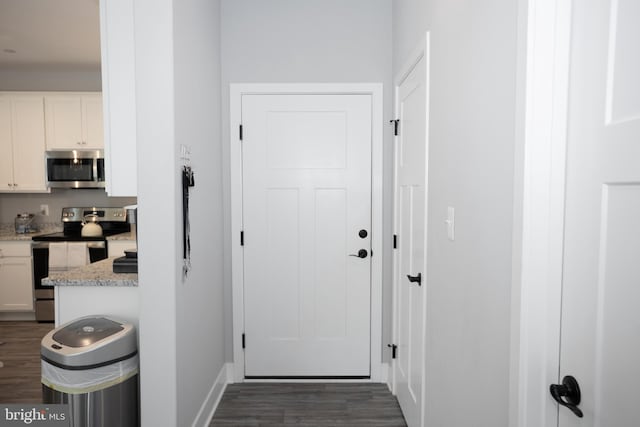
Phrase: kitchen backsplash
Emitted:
{"points": [[12, 204]]}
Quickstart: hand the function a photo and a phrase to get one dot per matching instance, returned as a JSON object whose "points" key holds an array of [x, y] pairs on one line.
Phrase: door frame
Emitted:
{"points": [[237, 264], [542, 95]]}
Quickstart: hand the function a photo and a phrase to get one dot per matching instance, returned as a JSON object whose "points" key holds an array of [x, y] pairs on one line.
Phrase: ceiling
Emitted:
{"points": [[49, 34]]}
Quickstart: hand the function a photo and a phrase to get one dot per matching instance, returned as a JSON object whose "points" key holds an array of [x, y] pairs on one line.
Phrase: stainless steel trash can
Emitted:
{"points": [[91, 364]]}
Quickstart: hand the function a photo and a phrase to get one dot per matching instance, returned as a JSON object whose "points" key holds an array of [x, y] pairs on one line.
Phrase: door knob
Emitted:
{"points": [[415, 279], [567, 394], [362, 253]]}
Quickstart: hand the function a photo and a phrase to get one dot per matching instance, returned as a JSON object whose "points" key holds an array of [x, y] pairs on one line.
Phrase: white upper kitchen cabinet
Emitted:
{"points": [[22, 143], [119, 97], [74, 121]]}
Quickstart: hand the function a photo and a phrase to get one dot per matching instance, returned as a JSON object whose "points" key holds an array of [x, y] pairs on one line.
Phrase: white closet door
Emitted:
{"points": [[600, 344], [410, 262]]}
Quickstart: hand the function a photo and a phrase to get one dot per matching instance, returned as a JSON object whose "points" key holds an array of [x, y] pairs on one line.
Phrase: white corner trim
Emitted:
{"points": [[237, 274], [543, 84], [237, 270], [209, 406], [230, 373], [384, 374]]}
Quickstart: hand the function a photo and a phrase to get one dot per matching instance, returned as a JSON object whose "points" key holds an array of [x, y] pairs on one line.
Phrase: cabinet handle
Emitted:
{"points": [[10, 185]]}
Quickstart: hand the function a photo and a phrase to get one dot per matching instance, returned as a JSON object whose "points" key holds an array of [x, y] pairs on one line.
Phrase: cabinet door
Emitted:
{"points": [[6, 151], [119, 92], [92, 121], [63, 115], [16, 284], [28, 143]]}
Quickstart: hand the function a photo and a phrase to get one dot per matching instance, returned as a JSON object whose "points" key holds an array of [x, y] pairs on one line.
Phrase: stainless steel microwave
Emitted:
{"points": [[75, 169]]}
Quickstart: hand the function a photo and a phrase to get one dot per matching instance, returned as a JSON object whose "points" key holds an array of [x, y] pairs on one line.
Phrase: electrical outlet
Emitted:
{"points": [[44, 210]]}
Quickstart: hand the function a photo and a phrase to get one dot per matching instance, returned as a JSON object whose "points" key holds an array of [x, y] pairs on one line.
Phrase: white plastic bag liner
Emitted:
{"points": [[88, 380]]}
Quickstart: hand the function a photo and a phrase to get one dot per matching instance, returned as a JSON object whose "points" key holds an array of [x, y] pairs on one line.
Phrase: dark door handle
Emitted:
{"points": [[567, 394], [417, 279], [362, 253]]}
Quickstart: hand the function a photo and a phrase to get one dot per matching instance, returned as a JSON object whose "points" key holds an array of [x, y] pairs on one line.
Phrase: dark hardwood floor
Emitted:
{"points": [[20, 355], [262, 404], [248, 404]]}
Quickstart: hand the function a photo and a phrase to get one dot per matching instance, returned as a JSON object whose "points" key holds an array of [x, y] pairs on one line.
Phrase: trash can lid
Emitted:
{"points": [[89, 342], [84, 332]]}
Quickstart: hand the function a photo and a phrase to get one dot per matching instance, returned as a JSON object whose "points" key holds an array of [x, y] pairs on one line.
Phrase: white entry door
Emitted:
{"points": [[600, 344], [410, 256], [307, 234]]}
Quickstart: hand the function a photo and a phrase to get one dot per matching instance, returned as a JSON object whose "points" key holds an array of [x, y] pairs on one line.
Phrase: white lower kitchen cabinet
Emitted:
{"points": [[16, 276], [22, 143]]}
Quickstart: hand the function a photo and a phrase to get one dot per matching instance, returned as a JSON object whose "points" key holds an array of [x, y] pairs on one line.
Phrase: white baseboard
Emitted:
{"points": [[208, 408], [231, 373]]}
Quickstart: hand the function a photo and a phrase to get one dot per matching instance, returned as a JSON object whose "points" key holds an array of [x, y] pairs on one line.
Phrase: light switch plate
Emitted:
{"points": [[451, 223], [44, 210]]}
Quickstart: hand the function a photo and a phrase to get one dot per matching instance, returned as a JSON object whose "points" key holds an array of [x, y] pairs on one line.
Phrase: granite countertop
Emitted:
{"points": [[97, 274], [123, 236], [8, 233], [12, 236]]}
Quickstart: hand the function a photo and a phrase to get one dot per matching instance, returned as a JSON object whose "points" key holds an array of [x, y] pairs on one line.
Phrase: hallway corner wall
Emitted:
{"points": [[472, 132]]}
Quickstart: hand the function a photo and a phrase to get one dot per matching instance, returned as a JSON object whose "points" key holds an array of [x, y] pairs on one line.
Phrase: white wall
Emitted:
{"points": [[177, 92], [158, 201], [200, 323], [473, 81], [311, 41]]}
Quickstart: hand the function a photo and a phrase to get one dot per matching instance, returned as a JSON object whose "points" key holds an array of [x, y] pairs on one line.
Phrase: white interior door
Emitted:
{"points": [[410, 260], [600, 343], [306, 210]]}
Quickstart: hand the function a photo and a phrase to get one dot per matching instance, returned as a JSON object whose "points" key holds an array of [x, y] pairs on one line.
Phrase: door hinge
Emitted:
{"points": [[243, 341], [395, 241], [394, 350], [395, 126], [242, 238], [240, 132]]}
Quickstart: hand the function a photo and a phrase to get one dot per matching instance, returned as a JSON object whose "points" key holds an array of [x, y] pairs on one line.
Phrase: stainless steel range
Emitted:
{"points": [[112, 221]]}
